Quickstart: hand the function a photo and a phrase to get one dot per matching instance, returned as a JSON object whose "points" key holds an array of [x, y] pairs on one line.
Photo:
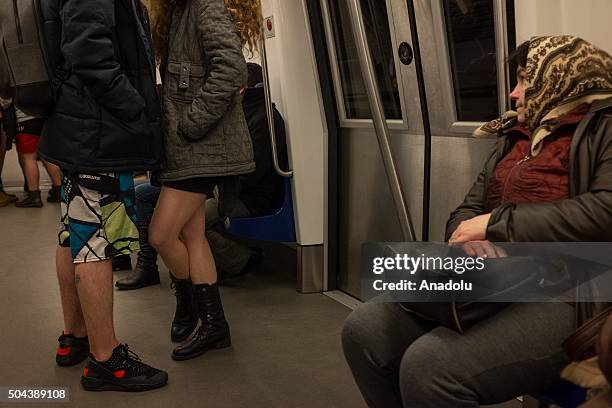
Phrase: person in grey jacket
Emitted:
{"points": [[207, 143]]}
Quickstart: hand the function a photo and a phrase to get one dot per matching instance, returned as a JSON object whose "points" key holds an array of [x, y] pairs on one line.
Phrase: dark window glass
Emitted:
{"points": [[511, 40], [470, 27], [379, 40]]}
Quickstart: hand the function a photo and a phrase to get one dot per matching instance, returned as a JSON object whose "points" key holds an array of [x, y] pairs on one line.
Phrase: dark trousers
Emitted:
{"points": [[400, 360]]}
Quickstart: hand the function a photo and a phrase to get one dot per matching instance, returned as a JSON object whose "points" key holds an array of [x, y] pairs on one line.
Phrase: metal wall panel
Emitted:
{"points": [[366, 209]]}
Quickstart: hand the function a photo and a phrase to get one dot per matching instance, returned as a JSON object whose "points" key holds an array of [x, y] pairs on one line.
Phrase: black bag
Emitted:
{"points": [[512, 275], [501, 280], [25, 72]]}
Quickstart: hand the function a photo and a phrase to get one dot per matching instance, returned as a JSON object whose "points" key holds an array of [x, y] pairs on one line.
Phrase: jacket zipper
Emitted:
{"points": [[516, 165], [17, 22]]}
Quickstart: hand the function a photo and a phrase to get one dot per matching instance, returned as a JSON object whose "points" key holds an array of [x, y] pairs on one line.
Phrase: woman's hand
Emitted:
{"points": [[483, 249], [474, 229]]}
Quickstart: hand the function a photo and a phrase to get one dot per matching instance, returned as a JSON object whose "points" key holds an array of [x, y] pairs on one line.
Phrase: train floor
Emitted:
{"points": [[286, 346]]}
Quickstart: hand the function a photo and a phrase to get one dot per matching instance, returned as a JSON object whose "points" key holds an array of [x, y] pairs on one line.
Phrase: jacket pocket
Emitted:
{"points": [[119, 139], [183, 80]]}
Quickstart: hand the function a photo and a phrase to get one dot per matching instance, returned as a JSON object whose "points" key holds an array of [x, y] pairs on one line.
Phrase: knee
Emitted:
{"points": [[361, 337], [192, 236], [147, 194], [158, 238], [428, 375], [140, 191]]}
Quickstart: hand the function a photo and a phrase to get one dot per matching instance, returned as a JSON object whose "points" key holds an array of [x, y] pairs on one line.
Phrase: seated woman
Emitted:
{"points": [[548, 179]]}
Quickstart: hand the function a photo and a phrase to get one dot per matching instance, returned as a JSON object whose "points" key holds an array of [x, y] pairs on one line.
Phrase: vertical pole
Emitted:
{"points": [[269, 106], [426, 123], [380, 122]]}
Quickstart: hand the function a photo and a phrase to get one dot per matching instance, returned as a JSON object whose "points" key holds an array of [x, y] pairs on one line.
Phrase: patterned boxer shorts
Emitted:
{"points": [[98, 216]]}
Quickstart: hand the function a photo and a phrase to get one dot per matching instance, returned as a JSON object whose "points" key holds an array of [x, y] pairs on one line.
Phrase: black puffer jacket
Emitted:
{"points": [[107, 116]]}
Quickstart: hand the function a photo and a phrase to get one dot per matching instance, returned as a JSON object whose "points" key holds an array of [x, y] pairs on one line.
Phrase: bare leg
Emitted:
{"points": [[54, 173], [174, 209], [94, 282], [22, 166], [201, 262], [73, 315], [30, 169]]}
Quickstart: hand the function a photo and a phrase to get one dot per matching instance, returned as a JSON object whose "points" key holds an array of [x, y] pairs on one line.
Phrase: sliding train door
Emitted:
{"points": [[462, 47]]}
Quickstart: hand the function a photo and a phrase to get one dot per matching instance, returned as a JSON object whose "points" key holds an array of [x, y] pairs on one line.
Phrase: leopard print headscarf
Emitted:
{"points": [[562, 73]]}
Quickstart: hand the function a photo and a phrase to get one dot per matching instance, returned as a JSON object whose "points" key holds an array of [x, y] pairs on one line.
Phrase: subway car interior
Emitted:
{"points": [[379, 99]]}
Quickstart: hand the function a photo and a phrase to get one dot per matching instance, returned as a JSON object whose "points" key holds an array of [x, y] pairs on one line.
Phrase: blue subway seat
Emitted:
{"points": [[276, 227], [564, 395]]}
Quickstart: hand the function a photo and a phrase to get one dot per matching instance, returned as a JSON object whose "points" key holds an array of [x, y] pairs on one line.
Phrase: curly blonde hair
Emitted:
{"points": [[246, 13]]}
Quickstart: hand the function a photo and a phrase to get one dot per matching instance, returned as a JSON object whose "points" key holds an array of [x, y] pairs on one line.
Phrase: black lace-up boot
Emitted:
{"points": [[124, 371], [185, 318], [214, 332]]}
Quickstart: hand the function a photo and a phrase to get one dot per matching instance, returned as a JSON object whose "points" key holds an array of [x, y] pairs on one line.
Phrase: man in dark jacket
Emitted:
{"points": [[105, 125]]}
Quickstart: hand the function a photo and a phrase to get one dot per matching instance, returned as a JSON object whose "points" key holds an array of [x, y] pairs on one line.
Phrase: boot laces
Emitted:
{"points": [[181, 298]]}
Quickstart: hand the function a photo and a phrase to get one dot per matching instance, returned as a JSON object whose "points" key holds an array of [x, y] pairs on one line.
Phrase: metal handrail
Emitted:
{"points": [[269, 106], [414, 33], [379, 119]]}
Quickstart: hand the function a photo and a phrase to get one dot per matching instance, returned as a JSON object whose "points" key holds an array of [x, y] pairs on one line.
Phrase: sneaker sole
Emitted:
{"points": [[98, 384], [221, 345]]}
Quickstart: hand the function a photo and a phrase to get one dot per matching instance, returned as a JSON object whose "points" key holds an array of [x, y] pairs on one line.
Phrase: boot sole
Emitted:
{"points": [[220, 345], [139, 286], [99, 384]]}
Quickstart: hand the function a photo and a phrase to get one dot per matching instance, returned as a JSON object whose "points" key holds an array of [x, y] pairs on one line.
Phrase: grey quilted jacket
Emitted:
{"points": [[205, 131]]}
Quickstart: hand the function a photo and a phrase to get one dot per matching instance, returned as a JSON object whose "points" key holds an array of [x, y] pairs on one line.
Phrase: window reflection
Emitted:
{"points": [[470, 27], [379, 40]]}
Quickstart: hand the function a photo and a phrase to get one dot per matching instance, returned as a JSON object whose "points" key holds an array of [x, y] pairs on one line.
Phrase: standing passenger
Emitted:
{"points": [[5, 198], [105, 125], [29, 129], [207, 143]]}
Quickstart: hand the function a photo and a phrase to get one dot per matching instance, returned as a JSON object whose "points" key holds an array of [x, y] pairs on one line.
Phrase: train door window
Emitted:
{"points": [[354, 102], [476, 56]]}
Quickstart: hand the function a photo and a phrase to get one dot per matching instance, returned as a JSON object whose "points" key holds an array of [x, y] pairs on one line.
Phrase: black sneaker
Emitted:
{"points": [[124, 371], [72, 350]]}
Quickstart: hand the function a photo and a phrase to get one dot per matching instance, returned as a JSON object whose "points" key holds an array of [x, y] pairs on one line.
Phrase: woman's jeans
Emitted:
{"points": [[400, 360]]}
